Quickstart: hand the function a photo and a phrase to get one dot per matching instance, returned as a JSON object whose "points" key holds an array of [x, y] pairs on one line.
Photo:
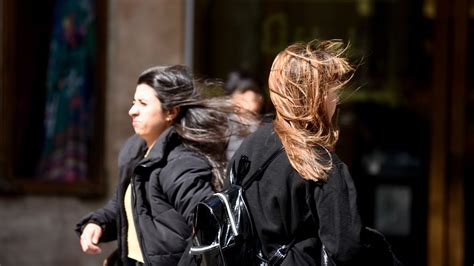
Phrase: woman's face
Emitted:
{"points": [[148, 119], [248, 100], [331, 102]]}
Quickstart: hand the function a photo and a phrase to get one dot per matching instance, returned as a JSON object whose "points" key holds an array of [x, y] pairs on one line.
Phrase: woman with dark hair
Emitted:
{"points": [[306, 198], [247, 96], [244, 91], [175, 159]]}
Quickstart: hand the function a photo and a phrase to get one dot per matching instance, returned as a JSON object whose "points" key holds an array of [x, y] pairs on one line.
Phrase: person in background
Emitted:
{"points": [[304, 207], [175, 159], [247, 95], [244, 91]]}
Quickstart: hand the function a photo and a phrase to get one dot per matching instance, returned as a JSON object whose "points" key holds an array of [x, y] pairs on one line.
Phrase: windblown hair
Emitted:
{"points": [[300, 80], [202, 123]]}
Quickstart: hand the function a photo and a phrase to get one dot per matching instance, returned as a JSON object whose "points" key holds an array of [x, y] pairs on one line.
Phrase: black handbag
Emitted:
{"points": [[223, 228], [376, 251]]}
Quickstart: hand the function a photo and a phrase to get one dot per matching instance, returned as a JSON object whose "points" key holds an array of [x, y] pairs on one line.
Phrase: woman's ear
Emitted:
{"points": [[173, 113]]}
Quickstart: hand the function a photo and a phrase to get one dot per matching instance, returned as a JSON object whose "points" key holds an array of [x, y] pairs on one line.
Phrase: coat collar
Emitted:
{"points": [[168, 140], [165, 142], [135, 148]]}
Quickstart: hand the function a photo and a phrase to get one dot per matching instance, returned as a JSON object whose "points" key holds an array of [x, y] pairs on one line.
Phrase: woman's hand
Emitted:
{"points": [[90, 238]]}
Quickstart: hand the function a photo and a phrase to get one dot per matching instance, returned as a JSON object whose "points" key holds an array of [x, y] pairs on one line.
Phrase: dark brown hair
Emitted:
{"points": [[202, 123]]}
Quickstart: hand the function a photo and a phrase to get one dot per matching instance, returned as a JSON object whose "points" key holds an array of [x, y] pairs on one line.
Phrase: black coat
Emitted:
{"points": [[166, 185], [284, 206]]}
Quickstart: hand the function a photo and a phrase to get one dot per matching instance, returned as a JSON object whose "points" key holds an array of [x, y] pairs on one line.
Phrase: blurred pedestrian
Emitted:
{"points": [[244, 91], [248, 97]]}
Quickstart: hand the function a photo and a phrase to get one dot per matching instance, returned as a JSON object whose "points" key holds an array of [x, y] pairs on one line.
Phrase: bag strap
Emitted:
{"points": [[260, 170], [280, 253]]}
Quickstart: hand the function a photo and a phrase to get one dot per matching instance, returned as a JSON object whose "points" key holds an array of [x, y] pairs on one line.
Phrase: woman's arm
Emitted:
{"points": [[105, 218], [339, 221], [186, 181]]}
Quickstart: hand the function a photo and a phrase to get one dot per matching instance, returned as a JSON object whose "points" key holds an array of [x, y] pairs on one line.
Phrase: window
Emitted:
{"points": [[52, 97], [385, 125]]}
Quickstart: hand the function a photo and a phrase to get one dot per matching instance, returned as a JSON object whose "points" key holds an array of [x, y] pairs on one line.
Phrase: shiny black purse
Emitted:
{"points": [[223, 228]]}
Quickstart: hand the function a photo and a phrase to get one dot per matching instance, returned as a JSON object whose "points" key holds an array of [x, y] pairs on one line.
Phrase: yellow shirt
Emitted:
{"points": [[134, 250]]}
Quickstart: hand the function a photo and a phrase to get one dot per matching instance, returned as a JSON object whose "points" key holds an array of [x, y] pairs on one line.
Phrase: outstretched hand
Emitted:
{"points": [[90, 239]]}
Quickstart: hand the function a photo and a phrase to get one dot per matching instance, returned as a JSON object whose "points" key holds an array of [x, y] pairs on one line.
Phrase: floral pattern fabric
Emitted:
{"points": [[69, 119]]}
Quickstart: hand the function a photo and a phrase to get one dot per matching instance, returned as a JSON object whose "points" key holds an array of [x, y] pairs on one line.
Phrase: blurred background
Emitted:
{"points": [[69, 68]]}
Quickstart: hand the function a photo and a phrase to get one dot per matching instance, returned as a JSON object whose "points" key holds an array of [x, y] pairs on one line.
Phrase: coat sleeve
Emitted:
{"points": [[339, 221], [104, 217], [186, 181]]}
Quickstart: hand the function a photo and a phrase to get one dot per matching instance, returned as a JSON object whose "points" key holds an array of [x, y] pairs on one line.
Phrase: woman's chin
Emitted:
{"points": [[139, 133]]}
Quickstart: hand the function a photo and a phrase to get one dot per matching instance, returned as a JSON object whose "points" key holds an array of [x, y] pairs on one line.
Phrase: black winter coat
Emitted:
{"points": [[166, 185], [286, 207]]}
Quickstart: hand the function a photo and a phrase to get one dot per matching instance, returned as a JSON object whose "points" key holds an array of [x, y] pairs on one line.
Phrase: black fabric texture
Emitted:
{"points": [[284, 206], [166, 185]]}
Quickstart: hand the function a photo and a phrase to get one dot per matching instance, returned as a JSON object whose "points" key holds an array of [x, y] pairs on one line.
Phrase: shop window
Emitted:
{"points": [[52, 97], [386, 116]]}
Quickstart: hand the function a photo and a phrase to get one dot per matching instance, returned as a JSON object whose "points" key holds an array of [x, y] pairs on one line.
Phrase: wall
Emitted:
{"points": [[38, 230]]}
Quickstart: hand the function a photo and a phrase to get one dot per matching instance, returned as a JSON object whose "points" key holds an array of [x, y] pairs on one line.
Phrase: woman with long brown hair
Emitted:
{"points": [[306, 198]]}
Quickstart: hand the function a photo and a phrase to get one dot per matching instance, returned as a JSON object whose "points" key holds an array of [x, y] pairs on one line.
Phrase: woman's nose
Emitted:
{"points": [[133, 111]]}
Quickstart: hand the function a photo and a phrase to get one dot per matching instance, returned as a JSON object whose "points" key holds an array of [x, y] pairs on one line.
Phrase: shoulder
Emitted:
{"points": [[182, 154], [181, 160], [263, 136], [338, 166], [260, 144], [339, 177]]}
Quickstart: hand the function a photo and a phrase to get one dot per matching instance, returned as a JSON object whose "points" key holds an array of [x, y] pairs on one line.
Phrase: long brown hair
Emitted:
{"points": [[300, 80]]}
